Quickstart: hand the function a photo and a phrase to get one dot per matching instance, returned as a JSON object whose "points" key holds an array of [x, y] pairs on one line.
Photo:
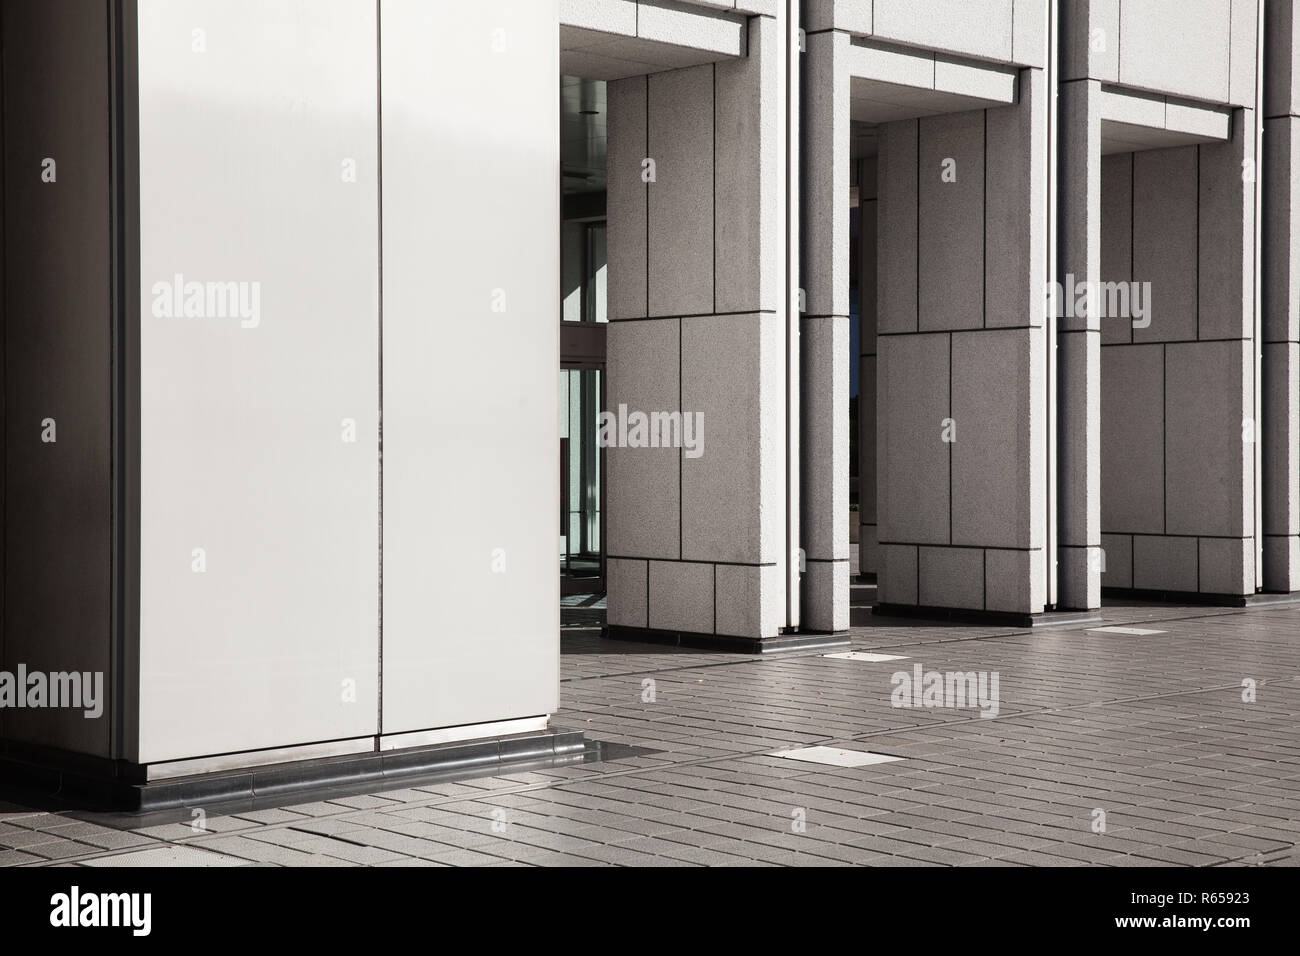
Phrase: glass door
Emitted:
{"points": [[582, 560], [582, 393]]}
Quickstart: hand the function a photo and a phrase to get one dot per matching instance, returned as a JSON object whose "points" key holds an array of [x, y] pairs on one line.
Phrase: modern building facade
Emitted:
{"points": [[287, 284]]}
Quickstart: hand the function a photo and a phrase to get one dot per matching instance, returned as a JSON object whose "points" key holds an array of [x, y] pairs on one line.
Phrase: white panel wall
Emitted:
{"points": [[250, 111], [470, 221]]}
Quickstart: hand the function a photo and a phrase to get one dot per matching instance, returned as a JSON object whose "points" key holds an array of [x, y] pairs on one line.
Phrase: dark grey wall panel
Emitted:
{"points": [[57, 356]]}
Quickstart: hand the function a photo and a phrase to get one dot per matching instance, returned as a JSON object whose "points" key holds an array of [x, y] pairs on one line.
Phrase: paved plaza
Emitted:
{"points": [[1173, 740]]}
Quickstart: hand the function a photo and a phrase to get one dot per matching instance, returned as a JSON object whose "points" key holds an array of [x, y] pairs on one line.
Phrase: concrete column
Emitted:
{"points": [[1281, 302], [868, 532], [1178, 418], [696, 246], [962, 392], [824, 334], [1180, 428], [1079, 554]]}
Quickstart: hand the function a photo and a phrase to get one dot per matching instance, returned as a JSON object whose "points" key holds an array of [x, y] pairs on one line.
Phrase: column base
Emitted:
{"points": [[798, 641], [995, 618], [122, 785], [1260, 599]]}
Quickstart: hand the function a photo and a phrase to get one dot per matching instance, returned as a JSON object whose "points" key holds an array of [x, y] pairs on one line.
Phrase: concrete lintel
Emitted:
{"points": [[1133, 120], [890, 82], [612, 39]]}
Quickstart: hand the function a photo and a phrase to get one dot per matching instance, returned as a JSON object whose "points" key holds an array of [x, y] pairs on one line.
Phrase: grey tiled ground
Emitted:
{"points": [[1152, 731]]}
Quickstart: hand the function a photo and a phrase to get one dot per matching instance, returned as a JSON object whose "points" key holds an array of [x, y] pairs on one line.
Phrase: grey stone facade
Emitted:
{"points": [[1026, 452], [1017, 453]]}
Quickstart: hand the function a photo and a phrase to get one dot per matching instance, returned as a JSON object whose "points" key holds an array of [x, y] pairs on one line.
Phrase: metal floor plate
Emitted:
{"points": [[835, 756]]}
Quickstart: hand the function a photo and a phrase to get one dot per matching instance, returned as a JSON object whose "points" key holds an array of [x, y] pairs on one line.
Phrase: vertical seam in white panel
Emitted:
{"points": [[379, 234], [1257, 327], [4, 351]]}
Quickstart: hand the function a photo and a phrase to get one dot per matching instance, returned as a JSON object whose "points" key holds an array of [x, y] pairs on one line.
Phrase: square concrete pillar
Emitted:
{"points": [[696, 534], [824, 329], [1179, 426], [1280, 397], [1180, 433], [869, 531], [962, 358], [1079, 346]]}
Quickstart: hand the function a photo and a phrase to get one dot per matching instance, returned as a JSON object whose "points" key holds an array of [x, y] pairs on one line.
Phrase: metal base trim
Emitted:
{"points": [[797, 641], [994, 618], [1260, 599], [123, 785]]}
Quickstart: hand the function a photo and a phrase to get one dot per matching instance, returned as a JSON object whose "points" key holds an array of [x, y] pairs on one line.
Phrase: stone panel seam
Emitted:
{"points": [[1119, 41], [693, 315], [976, 547], [1204, 537], [1132, 219], [728, 564], [950, 444], [646, 200], [1000, 328], [1112, 345], [1197, 265], [984, 232]]}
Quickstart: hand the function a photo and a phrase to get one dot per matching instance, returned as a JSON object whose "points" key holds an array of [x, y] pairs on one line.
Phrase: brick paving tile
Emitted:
{"points": [[412, 861], [59, 849], [18, 839], [269, 816], [466, 858], [115, 840], [17, 858], [264, 852], [365, 855]]}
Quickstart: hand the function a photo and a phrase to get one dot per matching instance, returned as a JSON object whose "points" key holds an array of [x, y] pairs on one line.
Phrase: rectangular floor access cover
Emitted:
{"points": [[835, 756], [1135, 631]]}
